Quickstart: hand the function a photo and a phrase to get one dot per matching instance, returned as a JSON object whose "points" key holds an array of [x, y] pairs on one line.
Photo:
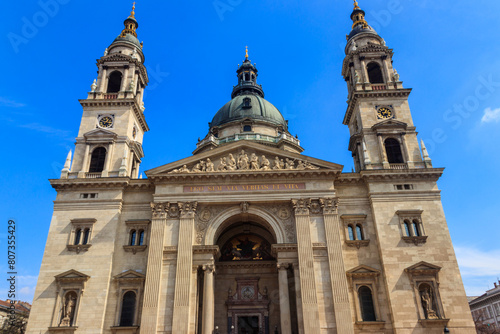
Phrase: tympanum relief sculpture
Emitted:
{"points": [[247, 163]]}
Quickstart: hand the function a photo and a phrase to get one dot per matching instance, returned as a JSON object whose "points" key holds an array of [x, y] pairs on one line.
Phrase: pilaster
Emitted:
{"points": [[208, 300], [306, 266], [340, 289], [149, 320], [183, 276], [286, 326]]}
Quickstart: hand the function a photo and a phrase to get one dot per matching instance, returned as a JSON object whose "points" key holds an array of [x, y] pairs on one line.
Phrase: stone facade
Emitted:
{"points": [[248, 235]]}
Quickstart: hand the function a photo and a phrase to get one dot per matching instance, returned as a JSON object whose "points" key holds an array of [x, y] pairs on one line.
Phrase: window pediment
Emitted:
{"points": [[423, 268], [390, 124], [71, 276], [363, 271], [100, 136]]}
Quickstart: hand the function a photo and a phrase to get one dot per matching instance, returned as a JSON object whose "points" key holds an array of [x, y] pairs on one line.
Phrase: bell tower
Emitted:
{"points": [[378, 115], [109, 142]]}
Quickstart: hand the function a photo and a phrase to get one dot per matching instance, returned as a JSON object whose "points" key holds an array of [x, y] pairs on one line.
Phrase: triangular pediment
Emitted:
{"points": [[99, 133], [130, 275], [423, 267], [363, 271], [243, 157], [72, 275], [390, 124]]}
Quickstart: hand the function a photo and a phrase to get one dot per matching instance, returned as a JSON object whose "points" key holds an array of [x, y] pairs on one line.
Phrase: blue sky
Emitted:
{"points": [[447, 51]]}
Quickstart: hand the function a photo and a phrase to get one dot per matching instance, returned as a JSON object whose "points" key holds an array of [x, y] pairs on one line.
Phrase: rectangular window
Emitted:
{"points": [[497, 309], [86, 196]]}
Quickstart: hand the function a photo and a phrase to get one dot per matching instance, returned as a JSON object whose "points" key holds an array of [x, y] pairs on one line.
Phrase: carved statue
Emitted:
{"points": [[93, 86], [134, 54], [428, 303], [222, 165], [183, 169], [276, 164], [231, 162], [310, 166], [106, 52], [210, 165], [254, 162], [356, 77], [203, 166], [68, 310], [143, 107], [243, 160], [300, 165], [132, 85], [196, 168], [354, 46], [265, 163], [290, 164], [396, 76]]}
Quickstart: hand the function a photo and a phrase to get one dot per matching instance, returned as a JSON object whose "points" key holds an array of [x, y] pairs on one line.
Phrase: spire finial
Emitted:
{"points": [[132, 14], [356, 5], [246, 52]]}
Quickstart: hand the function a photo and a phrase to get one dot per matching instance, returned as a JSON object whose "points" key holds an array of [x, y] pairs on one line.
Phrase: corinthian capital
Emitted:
{"points": [[160, 210], [329, 205], [188, 209], [301, 206]]}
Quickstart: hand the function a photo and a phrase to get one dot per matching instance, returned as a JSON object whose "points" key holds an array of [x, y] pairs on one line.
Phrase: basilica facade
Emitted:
{"points": [[249, 235]]}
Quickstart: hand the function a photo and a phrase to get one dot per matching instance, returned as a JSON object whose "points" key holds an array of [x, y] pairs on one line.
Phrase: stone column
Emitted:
{"points": [[383, 153], [81, 173], [208, 301], [286, 326], [149, 319], [306, 266], [104, 75], [406, 151], [125, 80], [340, 288], [181, 316]]}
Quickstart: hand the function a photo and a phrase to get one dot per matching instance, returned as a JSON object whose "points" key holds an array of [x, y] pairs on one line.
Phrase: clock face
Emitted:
{"points": [[384, 113], [105, 122]]}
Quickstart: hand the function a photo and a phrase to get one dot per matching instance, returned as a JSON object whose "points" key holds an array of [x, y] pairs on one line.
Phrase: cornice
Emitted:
{"points": [[105, 182], [239, 175], [428, 174]]}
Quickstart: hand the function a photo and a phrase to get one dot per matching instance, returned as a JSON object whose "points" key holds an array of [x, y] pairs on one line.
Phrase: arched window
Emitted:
{"points": [[128, 309], [114, 82], [393, 150], [86, 236], [247, 128], [247, 77], [406, 225], [375, 73], [133, 235], [351, 232], [366, 304], [141, 238], [246, 102], [416, 231], [78, 236], [97, 160], [359, 233]]}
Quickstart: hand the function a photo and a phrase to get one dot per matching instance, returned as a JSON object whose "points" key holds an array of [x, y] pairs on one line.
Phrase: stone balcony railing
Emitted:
{"points": [[93, 175], [399, 166], [248, 136]]}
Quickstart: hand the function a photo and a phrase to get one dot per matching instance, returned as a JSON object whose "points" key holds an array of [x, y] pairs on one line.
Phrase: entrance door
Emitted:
{"points": [[248, 325]]}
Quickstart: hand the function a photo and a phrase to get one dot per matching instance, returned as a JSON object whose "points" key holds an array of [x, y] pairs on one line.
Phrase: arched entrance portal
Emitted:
{"points": [[246, 281]]}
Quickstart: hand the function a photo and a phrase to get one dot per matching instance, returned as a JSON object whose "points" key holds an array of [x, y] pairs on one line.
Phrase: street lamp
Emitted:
{"points": [[446, 330]]}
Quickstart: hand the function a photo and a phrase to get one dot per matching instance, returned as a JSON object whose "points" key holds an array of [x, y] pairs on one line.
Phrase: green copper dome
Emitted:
{"points": [[248, 106]]}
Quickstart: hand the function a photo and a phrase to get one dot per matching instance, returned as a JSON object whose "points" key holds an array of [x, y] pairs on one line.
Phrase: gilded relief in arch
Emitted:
{"points": [[204, 217]]}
